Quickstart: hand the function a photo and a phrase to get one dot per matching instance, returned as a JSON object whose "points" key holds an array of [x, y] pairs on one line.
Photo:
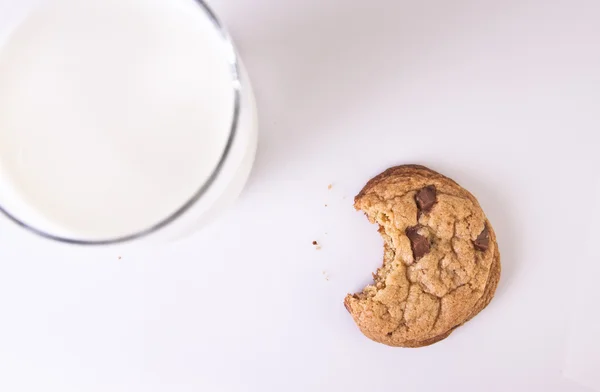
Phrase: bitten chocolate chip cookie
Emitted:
{"points": [[441, 261]]}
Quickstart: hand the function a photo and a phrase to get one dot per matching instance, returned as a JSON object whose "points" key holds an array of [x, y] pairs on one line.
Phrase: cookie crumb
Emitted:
{"points": [[315, 243], [329, 186], [325, 205], [119, 257], [326, 276]]}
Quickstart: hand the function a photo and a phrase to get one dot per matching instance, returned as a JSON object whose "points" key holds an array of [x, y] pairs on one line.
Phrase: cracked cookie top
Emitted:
{"points": [[441, 263]]}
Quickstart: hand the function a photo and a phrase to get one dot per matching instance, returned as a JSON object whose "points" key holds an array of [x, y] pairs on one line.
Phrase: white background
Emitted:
{"points": [[502, 96]]}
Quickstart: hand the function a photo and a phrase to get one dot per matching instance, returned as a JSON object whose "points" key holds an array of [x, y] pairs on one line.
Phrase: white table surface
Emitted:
{"points": [[502, 96]]}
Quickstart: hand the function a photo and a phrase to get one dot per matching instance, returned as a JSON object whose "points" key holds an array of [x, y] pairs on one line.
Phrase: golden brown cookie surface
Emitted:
{"points": [[441, 260]]}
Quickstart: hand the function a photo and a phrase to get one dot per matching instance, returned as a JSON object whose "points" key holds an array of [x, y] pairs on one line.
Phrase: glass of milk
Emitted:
{"points": [[120, 120]]}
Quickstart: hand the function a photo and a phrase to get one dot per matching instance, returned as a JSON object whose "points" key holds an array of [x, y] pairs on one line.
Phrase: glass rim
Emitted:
{"points": [[237, 87]]}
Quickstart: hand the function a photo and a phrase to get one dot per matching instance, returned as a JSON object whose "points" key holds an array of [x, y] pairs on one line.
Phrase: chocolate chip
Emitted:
{"points": [[420, 245], [482, 242], [426, 198]]}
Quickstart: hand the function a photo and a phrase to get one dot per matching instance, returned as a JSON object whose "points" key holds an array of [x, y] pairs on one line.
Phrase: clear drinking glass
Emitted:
{"points": [[213, 194]]}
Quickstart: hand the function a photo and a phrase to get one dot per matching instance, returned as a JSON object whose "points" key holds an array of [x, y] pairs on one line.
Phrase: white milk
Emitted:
{"points": [[114, 113]]}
